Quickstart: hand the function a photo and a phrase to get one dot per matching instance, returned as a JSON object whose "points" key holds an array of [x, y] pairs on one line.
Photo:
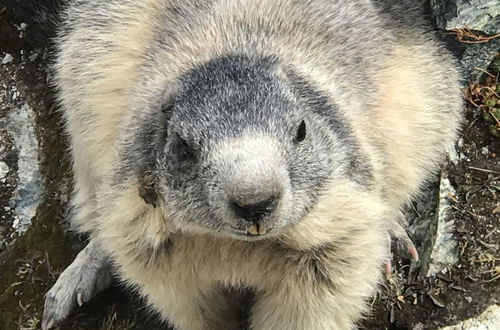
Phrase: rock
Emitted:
{"points": [[4, 169], [19, 124], [421, 215], [432, 228], [488, 320], [481, 15], [7, 59], [444, 251], [478, 56]]}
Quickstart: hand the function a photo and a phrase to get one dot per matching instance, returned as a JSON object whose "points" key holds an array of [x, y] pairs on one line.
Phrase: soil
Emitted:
{"points": [[30, 263]]}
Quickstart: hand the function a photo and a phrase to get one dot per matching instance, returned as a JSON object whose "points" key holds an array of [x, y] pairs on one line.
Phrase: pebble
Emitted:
{"points": [[7, 59], [4, 169]]}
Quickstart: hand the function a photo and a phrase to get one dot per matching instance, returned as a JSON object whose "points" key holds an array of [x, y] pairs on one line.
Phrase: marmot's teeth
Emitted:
{"points": [[262, 230], [253, 230]]}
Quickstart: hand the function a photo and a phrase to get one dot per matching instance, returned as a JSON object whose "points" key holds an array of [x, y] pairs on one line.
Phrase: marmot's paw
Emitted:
{"points": [[76, 285], [402, 239]]}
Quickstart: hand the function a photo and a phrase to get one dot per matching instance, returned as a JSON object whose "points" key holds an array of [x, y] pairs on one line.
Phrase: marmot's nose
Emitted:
{"points": [[255, 212]]}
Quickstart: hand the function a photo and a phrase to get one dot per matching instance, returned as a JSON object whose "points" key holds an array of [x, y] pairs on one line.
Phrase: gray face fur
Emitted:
{"points": [[244, 148]]}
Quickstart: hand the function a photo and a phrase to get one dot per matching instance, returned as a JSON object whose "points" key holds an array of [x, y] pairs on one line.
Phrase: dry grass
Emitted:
{"points": [[468, 36], [112, 322]]}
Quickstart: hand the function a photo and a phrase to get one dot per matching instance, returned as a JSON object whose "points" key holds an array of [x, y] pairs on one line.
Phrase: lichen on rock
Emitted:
{"points": [[481, 15]]}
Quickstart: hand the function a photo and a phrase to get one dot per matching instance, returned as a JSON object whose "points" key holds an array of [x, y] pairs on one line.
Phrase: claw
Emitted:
{"points": [[388, 269], [402, 237], [413, 251], [79, 299], [46, 325], [400, 234]]}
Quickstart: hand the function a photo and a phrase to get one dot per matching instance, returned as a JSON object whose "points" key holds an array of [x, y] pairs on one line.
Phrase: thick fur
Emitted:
{"points": [[385, 97]]}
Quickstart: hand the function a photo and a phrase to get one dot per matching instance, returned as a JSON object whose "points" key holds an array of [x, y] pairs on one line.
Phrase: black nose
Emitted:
{"points": [[256, 211]]}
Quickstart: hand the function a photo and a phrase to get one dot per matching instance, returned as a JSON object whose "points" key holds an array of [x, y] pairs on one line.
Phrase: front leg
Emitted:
{"points": [[86, 276]]}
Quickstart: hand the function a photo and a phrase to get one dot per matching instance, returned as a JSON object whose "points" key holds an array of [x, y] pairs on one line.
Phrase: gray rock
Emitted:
{"points": [[19, 124], [421, 215], [478, 56], [432, 228], [444, 250], [481, 15]]}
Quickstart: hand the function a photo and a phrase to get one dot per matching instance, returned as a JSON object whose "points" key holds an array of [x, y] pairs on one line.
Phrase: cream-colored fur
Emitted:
{"points": [[319, 273]]}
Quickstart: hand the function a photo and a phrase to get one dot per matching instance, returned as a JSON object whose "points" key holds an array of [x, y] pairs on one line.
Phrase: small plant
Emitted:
{"points": [[486, 97]]}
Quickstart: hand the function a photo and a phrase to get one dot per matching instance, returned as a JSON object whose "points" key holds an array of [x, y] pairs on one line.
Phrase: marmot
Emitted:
{"points": [[247, 144]]}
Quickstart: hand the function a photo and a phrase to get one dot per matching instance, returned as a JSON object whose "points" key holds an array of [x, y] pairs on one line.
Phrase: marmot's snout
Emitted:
{"points": [[254, 212], [254, 185], [254, 207]]}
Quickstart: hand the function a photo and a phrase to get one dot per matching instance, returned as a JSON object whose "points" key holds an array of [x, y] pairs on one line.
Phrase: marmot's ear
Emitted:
{"points": [[164, 115], [152, 142], [147, 189]]}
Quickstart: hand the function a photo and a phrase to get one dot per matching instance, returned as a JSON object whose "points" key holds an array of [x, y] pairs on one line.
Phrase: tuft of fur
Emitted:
{"points": [[186, 116]]}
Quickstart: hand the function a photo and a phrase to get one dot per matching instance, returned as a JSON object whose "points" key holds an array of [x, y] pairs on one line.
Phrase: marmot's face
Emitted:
{"points": [[246, 154]]}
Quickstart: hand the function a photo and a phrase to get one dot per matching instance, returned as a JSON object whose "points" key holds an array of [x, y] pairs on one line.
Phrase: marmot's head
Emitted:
{"points": [[246, 148]]}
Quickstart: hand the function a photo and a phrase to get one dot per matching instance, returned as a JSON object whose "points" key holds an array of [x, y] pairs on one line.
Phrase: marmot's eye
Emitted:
{"points": [[185, 149], [301, 132]]}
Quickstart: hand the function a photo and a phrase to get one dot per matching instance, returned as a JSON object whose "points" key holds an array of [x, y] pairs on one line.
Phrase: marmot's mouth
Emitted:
{"points": [[252, 233], [256, 229]]}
